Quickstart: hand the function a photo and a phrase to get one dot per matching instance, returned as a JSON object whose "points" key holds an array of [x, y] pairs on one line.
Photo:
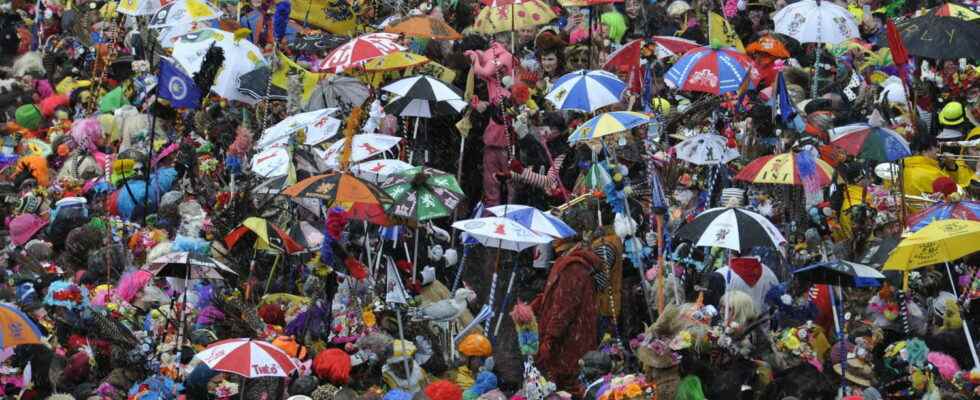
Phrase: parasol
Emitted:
{"points": [[607, 124], [945, 38], [423, 193], [870, 142], [338, 91], [363, 147], [785, 169], [586, 91], [731, 228], [362, 199], [181, 12], [240, 57], [705, 149], [268, 236], [512, 15], [711, 70], [360, 50]]}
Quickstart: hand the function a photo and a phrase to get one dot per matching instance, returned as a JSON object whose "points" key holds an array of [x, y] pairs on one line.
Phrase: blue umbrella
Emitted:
{"points": [[586, 91], [533, 219], [710, 70], [968, 210], [608, 123]]}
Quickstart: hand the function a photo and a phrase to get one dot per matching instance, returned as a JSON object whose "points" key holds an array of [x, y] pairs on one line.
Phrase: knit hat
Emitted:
{"points": [[24, 227], [475, 345], [28, 116], [443, 390]]}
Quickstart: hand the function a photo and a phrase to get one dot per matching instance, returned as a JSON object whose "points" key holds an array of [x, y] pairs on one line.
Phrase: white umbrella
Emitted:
{"points": [[815, 21], [534, 219], [182, 12], [319, 126], [502, 233], [586, 91], [138, 7], [241, 57], [247, 357], [168, 35], [271, 162], [378, 171], [364, 146], [705, 149], [731, 228]]}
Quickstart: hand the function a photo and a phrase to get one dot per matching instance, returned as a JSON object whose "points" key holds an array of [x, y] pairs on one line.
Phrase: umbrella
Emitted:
{"points": [[669, 46], [187, 265], [247, 357], [378, 171], [316, 42], [406, 107], [501, 233], [255, 84], [396, 60], [182, 12], [586, 91], [710, 70], [841, 273], [137, 7], [786, 169], [423, 193], [167, 36], [424, 87], [954, 10], [768, 45], [16, 328], [608, 123], [241, 57], [731, 228], [870, 142], [425, 27], [363, 200], [938, 242], [534, 219], [360, 50], [512, 15], [814, 21], [318, 126], [262, 228], [943, 38], [338, 91], [363, 147], [307, 235], [705, 149], [271, 162], [964, 210]]}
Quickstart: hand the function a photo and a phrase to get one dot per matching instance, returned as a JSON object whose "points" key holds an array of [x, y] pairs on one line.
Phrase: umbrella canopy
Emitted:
{"points": [[167, 36], [840, 273], [731, 228], [16, 328], [534, 219], [870, 142], [423, 193], [670, 46], [271, 162], [944, 38], [406, 107], [138, 7], [812, 21], [586, 91], [183, 264], [768, 45], [512, 15], [709, 70], [420, 96], [255, 84], [964, 210], [182, 12], [241, 57], [607, 124], [937, 243], [362, 199], [501, 233], [363, 147], [954, 10], [705, 149], [247, 357], [306, 235], [338, 91], [318, 126], [378, 171], [316, 42], [792, 168], [424, 27], [394, 61], [267, 236], [360, 50]]}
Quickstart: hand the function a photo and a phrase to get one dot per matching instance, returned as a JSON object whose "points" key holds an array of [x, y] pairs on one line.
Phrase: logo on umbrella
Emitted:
{"points": [[267, 369], [16, 330], [721, 234]]}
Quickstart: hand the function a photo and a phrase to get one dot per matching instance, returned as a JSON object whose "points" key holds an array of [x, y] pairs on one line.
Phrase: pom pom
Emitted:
{"points": [[191, 245], [485, 382], [947, 366], [404, 265], [944, 185], [333, 365], [355, 268], [272, 314], [131, 284], [87, 134], [521, 93], [336, 222], [281, 19], [233, 165], [443, 390], [522, 313]]}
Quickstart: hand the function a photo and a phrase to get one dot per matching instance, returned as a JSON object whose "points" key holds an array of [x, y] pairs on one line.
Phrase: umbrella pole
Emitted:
{"points": [[843, 336], [415, 253], [367, 249], [503, 306], [401, 336], [415, 134], [966, 327], [272, 273]]}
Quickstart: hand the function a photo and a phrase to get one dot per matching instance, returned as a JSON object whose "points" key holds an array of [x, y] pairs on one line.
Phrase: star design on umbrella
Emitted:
{"points": [[325, 187], [370, 149], [501, 229], [377, 167]]}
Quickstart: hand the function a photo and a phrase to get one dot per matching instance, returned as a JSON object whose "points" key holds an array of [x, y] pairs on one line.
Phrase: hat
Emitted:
{"points": [[949, 134], [443, 390], [24, 227], [475, 345], [113, 100], [952, 114], [28, 116], [973, 134], [660, 104], [333, 365], [857, 371], [678, 7]]}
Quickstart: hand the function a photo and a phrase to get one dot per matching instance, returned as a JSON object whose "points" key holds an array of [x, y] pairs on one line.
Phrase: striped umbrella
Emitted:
{"points": [[870, 142], [731, 228], [711, 70], [788, 169], [16, 328], [586, 91], [608, 123], [362, 199], [534, 219], [840, 272], [360, 50], [670, 46], [267, 236], [188, 265], [247, 357]]}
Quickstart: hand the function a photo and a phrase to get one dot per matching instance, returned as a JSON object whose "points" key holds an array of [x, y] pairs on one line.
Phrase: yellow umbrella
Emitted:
{"points": [[396, 60], [512, 15], [939, 242]]}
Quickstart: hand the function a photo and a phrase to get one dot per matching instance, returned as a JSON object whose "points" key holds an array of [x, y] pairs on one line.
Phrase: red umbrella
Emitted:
{"points": [[247, 357], [361, 50], [669, 46]]}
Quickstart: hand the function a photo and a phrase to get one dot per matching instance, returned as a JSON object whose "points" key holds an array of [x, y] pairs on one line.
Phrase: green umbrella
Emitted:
{"points": [[423, 193]]}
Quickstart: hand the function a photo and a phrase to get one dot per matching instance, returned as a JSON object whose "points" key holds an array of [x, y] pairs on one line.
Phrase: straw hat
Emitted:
{"points": [[857, 371]]}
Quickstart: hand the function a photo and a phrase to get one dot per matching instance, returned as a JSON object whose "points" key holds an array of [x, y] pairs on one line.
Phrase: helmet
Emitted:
{"points": [[660, 105], [952, 113], [475, 345]]}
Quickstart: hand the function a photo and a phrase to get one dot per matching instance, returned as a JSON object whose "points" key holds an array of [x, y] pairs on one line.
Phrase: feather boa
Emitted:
{"points": [[807, 166], [281, 19]]}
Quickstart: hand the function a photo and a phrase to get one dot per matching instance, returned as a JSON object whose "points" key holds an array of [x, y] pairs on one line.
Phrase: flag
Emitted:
{"points": [[330, 15], [177, 87], [627, 60], [280, 77], [899, 54], [390, 233], [395, 292], [781, 101], [721, 33]]}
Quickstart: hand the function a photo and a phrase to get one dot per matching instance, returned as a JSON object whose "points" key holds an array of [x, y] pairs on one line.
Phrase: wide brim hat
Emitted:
{"points": [[857, 371]]}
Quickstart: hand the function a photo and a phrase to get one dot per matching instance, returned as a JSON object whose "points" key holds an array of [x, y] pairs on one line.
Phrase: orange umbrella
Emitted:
{"points": [[362, 199], [426, 27], [769, 45]]}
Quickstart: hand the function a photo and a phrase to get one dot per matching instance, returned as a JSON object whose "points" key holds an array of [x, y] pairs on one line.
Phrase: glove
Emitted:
{"points": [[516, 166], [451, 257]]}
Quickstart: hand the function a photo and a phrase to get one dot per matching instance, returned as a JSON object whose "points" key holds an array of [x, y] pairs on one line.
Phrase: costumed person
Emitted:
{"points": [[921, 169], [567, 315], [749, 275], [551, 60]]}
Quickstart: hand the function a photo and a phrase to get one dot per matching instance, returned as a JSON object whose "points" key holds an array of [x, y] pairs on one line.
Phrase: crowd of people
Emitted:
{"points": [[460, 200]]}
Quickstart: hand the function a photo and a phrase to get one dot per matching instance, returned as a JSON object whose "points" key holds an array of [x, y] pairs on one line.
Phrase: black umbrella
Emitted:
{"points": [[944, 38], [731, 228], [318, 42], [256, 84], [842, 273]]}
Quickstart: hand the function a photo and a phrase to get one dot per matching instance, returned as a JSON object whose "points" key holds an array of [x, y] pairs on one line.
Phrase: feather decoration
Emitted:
{"points": [[281, 19], [527, 328], [242, 143], [351, 127], [213, 60], [808, 171]]}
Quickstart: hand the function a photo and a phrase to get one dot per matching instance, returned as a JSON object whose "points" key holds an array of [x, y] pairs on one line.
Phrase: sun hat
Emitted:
{"points": [[952, 113], [23, 227]]}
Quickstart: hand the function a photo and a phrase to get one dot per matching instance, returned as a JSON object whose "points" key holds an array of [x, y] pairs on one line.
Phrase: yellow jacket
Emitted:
{"points": [[921, 171], [852, 197]]}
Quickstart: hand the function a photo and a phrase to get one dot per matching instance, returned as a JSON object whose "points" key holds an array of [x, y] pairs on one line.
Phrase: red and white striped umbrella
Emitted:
{"points": [[248, 358], [361, 50], [669, 46]]}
